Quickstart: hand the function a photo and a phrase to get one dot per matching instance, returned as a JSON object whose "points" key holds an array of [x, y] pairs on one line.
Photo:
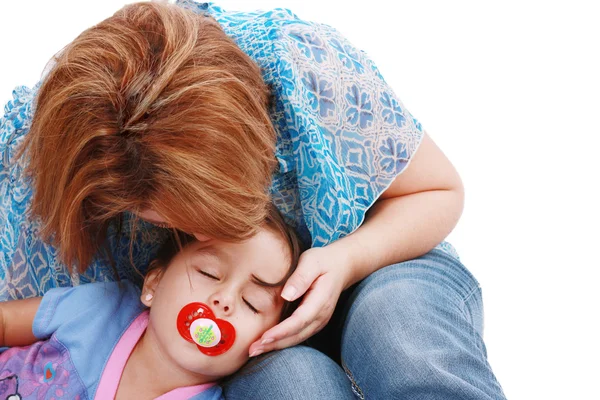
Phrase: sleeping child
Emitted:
{"points": [[201, 306]]}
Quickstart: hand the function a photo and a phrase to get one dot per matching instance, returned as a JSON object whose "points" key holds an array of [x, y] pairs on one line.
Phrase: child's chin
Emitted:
{"points": [[199, 364], [214, 366], [211, 371]]}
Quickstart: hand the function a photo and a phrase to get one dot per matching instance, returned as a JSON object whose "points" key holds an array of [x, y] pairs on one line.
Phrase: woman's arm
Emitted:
{"points": [[418, 210], [412, 216], [16, 321]]}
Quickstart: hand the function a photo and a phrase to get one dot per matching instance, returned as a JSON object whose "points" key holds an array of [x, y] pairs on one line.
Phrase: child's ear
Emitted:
{"points": [[151, 282]]}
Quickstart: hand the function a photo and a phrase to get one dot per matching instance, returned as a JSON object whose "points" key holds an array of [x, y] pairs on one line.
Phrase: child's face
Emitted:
{"points": [[221, 275]]}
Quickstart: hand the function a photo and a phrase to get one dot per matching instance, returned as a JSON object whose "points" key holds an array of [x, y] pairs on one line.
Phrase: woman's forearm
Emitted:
{"points": [[415, 213], [398, 229]]}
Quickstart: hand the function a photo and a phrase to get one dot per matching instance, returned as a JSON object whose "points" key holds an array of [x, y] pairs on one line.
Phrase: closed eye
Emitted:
{"points": [[210, 276], [250, 306]]}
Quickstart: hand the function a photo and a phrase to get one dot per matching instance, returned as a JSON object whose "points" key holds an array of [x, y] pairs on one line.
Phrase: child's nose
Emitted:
{"points": [[222, 303], [218, 304]]}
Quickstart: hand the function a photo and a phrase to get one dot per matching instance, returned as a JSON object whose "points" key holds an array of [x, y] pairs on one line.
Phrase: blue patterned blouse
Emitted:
{"points": [[343, 138]]}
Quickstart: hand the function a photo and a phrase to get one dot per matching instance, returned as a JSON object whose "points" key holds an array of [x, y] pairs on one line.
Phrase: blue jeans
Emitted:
{"points": [[408, 331]]}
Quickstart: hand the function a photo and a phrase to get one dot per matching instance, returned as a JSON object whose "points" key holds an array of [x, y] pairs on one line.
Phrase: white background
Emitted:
{"points": [[510, 90]]}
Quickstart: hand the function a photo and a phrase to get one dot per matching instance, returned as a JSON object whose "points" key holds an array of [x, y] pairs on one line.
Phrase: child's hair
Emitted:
{"points": [[154, 108], [177, 240]]}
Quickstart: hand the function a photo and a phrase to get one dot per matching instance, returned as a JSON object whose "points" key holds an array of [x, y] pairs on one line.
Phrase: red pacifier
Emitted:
{"points": [[197, 324]]}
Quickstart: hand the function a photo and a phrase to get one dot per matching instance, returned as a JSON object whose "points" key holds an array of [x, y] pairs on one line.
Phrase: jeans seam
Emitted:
{"points": [[477, 337], [471, 293], [464, 306], [355, 388]]}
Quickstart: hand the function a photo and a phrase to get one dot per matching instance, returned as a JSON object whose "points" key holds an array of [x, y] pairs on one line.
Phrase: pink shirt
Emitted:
{"points": [[109, 382]]}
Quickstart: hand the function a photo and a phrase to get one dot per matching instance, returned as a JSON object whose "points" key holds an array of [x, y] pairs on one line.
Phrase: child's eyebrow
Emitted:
{"points": [[208, 250], [267, 287], [212, 251], [260, 282]]}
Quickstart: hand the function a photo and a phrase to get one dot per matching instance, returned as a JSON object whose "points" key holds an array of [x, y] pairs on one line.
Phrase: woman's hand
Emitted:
{"points": [[321, 276], [415, 213]]}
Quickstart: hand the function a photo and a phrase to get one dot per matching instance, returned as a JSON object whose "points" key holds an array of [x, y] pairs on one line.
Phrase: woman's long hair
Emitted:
{"points": [[154, 108]]}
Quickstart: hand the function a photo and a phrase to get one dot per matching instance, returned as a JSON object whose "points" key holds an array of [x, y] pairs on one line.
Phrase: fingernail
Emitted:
{"points": [[289, 293], [267, 341], [256, 353]]}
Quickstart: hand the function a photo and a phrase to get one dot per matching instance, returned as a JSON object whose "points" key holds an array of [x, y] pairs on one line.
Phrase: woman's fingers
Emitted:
{"points": [[308, 270], [288, 341], [321, 286], [312, 315], [265, 345]]}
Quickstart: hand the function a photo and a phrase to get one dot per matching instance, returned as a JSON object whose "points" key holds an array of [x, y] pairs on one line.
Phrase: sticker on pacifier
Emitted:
{"points": [[205, 332]]}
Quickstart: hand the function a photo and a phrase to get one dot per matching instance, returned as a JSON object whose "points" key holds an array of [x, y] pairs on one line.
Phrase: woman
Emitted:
{"points": [[155, 115]]}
